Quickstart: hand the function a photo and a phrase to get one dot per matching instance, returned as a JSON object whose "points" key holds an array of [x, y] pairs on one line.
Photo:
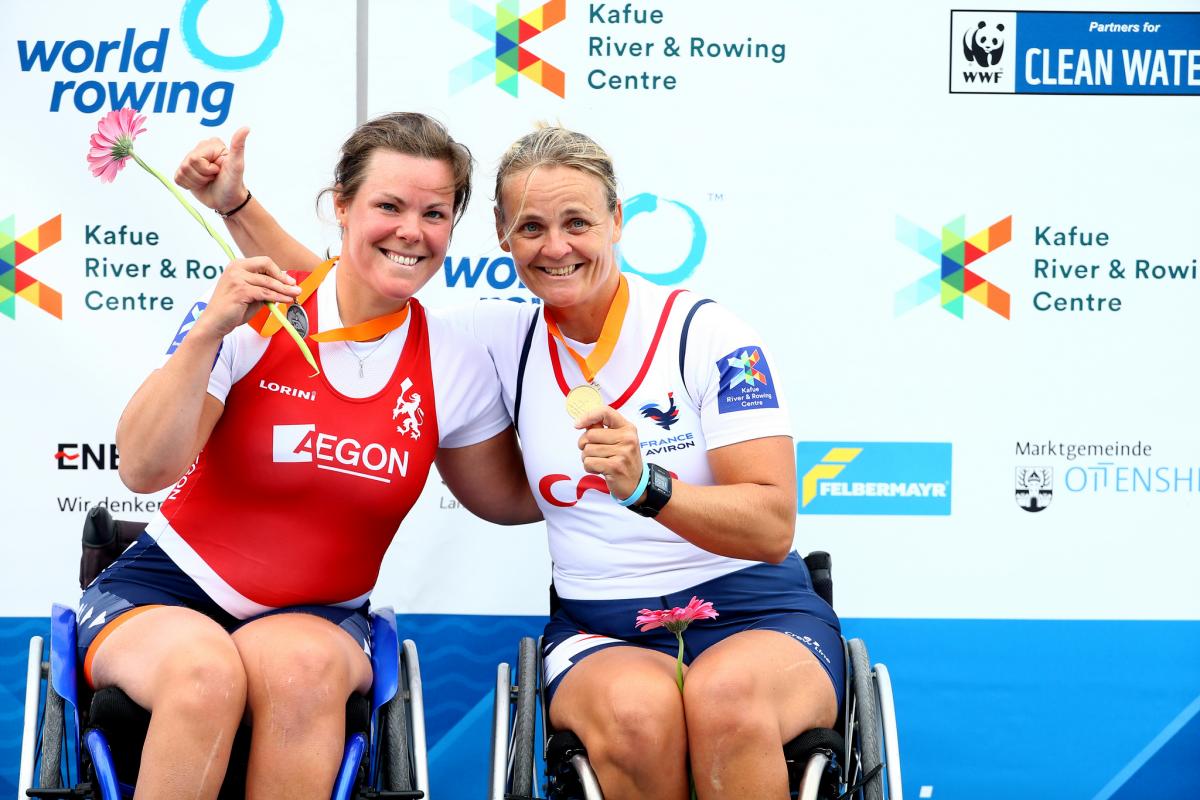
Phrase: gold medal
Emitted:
{"points": [[583, 399]]}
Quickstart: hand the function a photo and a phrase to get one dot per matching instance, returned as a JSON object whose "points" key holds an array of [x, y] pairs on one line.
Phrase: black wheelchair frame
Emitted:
{"points": [[858, 759]]}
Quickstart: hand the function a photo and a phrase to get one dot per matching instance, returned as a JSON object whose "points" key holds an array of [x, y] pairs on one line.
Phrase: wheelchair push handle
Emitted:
{"points": [[99, 528], [104, 538], [820, 567]]}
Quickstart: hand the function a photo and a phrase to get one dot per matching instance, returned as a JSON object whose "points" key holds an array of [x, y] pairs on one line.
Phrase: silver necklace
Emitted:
{"points": [[363, 359]]}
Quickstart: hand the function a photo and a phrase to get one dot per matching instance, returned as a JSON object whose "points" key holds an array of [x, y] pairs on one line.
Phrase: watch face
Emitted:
{"points": [[658, 492], [661, 479]]}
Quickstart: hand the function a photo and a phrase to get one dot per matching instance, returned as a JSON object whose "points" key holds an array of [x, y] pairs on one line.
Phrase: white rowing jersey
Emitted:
{"points": [[726, 392]]}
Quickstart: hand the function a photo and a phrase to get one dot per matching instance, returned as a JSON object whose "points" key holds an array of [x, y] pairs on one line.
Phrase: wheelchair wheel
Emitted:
{"points": [[866, 723], [53, 736], [523, 730], [891, 736], [395, 764], [44, 726]]}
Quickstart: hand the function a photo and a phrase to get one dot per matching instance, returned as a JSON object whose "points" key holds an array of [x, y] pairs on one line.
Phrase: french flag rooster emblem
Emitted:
{"points": [[663, 419]]}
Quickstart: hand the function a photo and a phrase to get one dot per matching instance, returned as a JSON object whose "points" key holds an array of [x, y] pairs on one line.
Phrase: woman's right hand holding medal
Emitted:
{"points": [[609, 447], [244, 286]]}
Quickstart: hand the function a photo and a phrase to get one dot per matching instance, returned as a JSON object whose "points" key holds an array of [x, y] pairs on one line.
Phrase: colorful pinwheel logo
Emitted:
{"points": [[506, 56], [742, 368], [952, 252], [16, 250]]}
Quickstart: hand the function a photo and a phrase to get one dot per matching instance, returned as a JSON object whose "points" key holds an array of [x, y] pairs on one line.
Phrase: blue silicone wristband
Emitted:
{"points": [[641, 487]]}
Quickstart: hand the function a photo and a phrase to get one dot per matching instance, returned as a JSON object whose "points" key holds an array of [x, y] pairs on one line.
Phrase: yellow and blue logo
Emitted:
{"points": [[887, 478]]}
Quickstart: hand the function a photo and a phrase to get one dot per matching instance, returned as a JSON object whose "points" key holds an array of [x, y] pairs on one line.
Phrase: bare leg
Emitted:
{"points": [[300, 670], [624, 706], [183, 668], [744, 698]]}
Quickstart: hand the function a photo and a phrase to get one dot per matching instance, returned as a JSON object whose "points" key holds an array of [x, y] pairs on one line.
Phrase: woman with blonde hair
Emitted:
{"points": [[609, 372]]}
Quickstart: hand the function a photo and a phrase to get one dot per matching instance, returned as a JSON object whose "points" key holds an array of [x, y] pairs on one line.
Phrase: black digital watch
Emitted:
{"points": [[658, 492]]}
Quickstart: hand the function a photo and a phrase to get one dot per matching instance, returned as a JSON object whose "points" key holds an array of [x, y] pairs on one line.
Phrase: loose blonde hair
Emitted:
{"points": [[556, 146]]}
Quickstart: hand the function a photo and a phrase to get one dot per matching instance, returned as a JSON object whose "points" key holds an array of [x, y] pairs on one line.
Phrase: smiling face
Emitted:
{"points": [[561, 235], [395, 231]]}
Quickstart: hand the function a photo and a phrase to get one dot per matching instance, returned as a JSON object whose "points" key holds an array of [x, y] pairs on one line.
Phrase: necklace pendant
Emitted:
{"points": [[360, 369]]}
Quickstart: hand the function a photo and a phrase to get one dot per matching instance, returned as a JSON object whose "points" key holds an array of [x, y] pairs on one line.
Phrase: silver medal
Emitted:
{"points": [[298, 319]]}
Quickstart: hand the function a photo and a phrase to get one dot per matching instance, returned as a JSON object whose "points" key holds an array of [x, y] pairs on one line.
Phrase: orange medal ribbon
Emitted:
{"points": [[267, 325], [592, 364], [364, 331]]}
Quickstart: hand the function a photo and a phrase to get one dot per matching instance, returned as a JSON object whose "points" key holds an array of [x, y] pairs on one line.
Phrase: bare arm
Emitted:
{"points": [[751, 511], [171, 415], [257, 233], [214, 175], [489, 479], [169, 418]]}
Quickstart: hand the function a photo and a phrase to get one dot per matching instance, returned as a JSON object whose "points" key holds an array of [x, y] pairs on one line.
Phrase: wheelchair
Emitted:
{"points": [[859, 758], [80, 744]]}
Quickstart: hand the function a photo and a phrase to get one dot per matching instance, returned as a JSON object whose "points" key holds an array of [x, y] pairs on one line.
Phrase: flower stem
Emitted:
{"points": [[679, 662], [273, 307], [679, 683], [182, 201]]}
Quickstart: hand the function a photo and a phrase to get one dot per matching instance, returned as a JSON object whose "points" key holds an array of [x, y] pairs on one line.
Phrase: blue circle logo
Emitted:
{"points": [[646, 203], [191, 38]]}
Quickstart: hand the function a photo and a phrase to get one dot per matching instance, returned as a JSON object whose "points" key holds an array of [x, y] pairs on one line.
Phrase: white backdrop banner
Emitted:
{"points": [[979, 300]]}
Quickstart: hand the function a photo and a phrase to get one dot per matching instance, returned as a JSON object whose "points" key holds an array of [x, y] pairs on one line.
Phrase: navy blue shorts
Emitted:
{"points": [[144, 575], [765, 597]]}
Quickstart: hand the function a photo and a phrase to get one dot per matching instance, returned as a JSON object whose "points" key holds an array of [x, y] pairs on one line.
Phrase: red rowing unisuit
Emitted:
{"points": [[300, 489]]}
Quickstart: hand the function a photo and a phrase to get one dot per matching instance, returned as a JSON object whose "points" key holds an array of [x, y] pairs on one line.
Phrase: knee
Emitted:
{"points": [[725, 700], [298, 680], [204, 680], [639, 728]]}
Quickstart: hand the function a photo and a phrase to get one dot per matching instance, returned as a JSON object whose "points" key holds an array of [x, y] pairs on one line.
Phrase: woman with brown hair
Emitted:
{"points": [[248, 593]]}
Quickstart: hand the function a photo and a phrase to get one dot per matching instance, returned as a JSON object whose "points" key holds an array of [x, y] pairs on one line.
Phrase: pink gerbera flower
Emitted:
{"points": [[675, 620], [112, 143], [112, 146]]}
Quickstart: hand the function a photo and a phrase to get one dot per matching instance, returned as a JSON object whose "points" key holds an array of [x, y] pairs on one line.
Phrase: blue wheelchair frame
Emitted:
{"points": [[391, 662]]}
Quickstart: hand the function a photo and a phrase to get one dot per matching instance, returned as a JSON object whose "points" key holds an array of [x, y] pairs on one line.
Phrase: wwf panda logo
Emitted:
{"points": [[984, 44]]}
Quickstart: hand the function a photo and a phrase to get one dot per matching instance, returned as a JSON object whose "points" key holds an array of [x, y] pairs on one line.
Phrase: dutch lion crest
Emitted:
{"points": [[410, 409]]}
